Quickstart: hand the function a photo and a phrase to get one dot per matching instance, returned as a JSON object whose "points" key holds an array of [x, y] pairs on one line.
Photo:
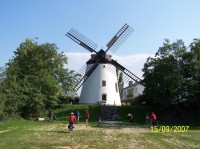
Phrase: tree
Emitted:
{"points": [[2, 74], [2, 102], [35, 78], [120, 83], [193, 81], [163, 79]]}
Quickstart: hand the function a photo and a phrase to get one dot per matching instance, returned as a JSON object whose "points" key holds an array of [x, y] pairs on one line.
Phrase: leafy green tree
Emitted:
{"points": [[120, 83], [162, 74], [35, 78], [2, 102], [2, 74], [193, 70]]}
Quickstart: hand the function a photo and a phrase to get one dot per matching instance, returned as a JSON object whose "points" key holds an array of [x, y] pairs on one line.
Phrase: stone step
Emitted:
{"points": [[109, 113]]}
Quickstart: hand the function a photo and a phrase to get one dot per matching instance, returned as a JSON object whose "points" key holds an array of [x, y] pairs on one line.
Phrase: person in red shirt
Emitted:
{"points": [[72, 119], [87, 116], [153, 118]]}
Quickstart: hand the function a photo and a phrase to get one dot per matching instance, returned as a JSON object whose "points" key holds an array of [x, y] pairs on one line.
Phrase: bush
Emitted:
{"points": [[127, 101], [138, 100]]}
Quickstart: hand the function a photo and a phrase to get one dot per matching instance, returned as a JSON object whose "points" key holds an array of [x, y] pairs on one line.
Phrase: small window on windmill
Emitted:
{"points": [[103, 83], [116, 88], [104, 97], [104, 66]]}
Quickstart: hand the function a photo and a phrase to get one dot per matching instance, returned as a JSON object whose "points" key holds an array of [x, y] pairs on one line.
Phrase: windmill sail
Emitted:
{"points": [[119, 38], [85, 72], [82, 40], [128, 74]]}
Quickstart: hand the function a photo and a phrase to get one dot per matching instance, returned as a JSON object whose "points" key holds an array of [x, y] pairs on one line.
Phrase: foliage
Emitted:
{"points": [[2, 74], [120, 83], [134, 101], [2, 102], [127, 101], [68, 99], [173, 75], [35, 77], [138, 101], [193, 69]]}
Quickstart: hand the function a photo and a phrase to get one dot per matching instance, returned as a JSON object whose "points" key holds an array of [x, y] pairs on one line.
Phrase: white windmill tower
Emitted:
{"points": [[99, 76]]}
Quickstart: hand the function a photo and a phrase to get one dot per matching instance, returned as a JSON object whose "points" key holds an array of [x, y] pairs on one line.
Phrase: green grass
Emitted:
{"points": [[64, 111], [20, 133], [138, 112]]}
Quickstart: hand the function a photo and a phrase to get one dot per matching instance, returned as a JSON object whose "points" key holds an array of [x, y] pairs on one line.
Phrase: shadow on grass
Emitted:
{"points": [[59, 131], [55, 131], [121, 126]]}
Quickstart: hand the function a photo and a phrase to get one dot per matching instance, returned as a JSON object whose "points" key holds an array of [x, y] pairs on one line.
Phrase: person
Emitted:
{"points": [[147, 118], [87, 116], [77, 116], [50, 115], [72, 118], [99, 121], [153, 118], [112, 115], [54, 117], [130, 118]]}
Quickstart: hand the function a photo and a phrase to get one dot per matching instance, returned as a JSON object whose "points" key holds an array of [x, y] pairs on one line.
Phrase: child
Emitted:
{"points": [[72, 118], [77, 116], [147, 118], [87, 116]]}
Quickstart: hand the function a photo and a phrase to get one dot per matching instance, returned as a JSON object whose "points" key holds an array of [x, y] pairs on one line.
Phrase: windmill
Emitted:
{"points": [[99, 76]]}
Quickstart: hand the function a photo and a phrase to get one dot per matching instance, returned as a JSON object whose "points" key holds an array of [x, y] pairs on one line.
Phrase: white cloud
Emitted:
{"points": [[76, 60], [134, 63]]}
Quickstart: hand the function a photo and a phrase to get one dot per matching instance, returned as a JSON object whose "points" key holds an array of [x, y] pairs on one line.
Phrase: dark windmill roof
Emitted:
{"points": [[94, 57]]}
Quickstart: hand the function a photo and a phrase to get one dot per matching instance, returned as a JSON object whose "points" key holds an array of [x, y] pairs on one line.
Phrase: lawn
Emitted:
{"points": [[28, 134]]}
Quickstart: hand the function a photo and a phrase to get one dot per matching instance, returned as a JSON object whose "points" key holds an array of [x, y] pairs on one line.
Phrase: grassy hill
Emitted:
{"points": [[138, 112], [171, 116], [22, 133]]}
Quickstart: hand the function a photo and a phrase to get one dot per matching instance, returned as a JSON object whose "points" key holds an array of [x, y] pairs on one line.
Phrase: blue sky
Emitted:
{"points": [[49, 20]]}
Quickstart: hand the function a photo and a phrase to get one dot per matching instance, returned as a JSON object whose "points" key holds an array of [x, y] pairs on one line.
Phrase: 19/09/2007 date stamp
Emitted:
{"points": [[169, 128]]}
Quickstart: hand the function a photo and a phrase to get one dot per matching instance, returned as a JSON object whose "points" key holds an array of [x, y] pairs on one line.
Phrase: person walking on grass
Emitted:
{"points": [[87, 116], [77, 116], [72, 119]]}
